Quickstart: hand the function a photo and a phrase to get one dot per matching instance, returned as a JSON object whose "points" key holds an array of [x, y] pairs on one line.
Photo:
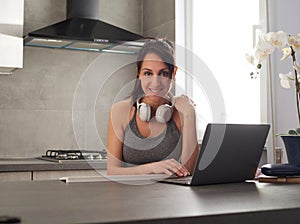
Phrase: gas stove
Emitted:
{"points": [[71, 155]]}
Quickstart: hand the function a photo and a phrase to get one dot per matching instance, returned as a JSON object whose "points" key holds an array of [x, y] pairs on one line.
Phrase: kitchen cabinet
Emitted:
{"points": [[15, 176], [11, 32], [55, 175], [47, 175], [37, 169]]}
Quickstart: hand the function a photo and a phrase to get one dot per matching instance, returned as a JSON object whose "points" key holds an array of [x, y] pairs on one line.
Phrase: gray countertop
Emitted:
{"points": [[35, 164], [112, 202]]}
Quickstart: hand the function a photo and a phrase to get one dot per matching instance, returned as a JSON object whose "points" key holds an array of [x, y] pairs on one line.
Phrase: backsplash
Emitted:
{"points": [[36, 102]]}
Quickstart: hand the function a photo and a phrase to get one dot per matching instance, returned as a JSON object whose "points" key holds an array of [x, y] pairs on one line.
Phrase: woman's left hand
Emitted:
{"points": [[184, 104]]}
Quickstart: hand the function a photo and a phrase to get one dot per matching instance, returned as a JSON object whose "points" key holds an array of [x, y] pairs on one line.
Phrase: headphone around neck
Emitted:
{"points": [[163, 112]]}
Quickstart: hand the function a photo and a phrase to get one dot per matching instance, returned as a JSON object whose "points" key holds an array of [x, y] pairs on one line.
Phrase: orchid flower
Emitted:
{"points": [[295, 41], [288, 44], [263, 49], [287, 51], [250, 59], [277, 39], [286, 80]]}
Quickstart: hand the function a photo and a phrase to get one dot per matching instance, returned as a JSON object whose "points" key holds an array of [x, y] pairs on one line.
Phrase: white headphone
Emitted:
{"points": [[163, 112]]}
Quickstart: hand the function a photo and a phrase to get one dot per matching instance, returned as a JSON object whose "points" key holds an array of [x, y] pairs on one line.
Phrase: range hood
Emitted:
{"points": [[83, 30]]}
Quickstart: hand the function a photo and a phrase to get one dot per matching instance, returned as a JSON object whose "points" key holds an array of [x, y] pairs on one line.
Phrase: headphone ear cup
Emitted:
{"points": [[164, 113], [144, 111]]}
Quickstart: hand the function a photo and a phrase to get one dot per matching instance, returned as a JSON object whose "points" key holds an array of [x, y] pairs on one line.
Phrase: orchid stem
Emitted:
{"points": [[296, 82]]}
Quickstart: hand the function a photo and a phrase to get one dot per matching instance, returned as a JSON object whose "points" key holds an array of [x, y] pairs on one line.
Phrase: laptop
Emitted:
{"points": [[229, 153]]}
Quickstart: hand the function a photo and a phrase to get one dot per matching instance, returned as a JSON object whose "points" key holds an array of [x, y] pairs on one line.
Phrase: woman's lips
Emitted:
{"points": [[155, 91]]}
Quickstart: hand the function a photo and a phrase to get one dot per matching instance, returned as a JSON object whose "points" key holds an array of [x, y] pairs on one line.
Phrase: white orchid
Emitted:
{"points": [[250, 59], [286, 80], [277, 39], [287, 51], [269, 42], [263, 49], [288, 44], [295, 41]]}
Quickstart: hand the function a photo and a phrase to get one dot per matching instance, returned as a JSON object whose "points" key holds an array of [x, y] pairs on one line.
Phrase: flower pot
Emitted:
{"points": [[292, 147]]}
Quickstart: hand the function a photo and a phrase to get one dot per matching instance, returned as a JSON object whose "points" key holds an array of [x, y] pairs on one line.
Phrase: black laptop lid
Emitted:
{"points": [[230, 153]]}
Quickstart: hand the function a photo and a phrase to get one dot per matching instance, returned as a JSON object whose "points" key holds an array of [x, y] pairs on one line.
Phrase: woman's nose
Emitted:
{"points": [[155, 79]]}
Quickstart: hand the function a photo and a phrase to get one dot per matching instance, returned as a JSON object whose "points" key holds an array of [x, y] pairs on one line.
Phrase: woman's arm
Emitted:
{"points": [[190, 148]]}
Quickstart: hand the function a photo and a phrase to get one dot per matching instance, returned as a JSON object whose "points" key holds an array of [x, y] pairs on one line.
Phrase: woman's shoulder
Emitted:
{"points": [[122, 109], [122, 106]]}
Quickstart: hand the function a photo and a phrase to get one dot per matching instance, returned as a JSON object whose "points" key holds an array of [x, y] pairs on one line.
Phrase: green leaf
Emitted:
{"points": [[298, 130], [292, 132]]}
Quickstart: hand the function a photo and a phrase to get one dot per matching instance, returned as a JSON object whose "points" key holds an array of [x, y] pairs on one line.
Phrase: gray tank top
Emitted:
{"points": [[140, 150]]}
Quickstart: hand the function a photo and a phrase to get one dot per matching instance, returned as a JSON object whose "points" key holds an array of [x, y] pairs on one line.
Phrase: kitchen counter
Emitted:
{"points": [[112, 202], [34, 164]]}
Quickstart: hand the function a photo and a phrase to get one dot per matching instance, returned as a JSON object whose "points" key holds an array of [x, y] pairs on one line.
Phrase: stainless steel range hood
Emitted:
{"points": [[83, 30]]}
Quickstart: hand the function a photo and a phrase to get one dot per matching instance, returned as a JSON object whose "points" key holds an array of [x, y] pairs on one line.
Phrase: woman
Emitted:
{"points": [[153, 132]]}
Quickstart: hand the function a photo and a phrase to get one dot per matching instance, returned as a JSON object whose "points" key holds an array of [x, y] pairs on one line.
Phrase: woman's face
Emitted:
{"points": [[155, 78]]}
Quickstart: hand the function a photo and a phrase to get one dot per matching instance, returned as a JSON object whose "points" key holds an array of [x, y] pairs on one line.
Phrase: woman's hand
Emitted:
{"points": [[169, 167], [184, 105]]}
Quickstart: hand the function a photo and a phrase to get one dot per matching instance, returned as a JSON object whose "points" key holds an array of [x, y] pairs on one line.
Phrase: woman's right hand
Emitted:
{"points": [[169, 167]]}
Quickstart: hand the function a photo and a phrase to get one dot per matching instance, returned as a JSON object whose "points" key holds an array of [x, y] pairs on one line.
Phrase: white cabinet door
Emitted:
{"points": [[12, 12]]}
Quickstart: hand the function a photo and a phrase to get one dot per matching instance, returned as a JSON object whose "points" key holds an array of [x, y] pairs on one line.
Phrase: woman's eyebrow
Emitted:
{"points": [[163, 69], [166, 68], [148, 69]]}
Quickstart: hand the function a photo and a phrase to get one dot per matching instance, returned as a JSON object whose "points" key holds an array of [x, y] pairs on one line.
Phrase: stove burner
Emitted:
{"points": [[59, 154]]}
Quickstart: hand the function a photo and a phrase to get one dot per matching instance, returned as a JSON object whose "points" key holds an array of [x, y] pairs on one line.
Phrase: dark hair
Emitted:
{"points": [[162, 48]]}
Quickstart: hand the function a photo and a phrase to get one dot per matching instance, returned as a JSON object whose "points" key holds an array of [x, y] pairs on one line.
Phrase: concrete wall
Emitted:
{"points": [[125, 14], [159, 18], [38, 14], [37, 102]]}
